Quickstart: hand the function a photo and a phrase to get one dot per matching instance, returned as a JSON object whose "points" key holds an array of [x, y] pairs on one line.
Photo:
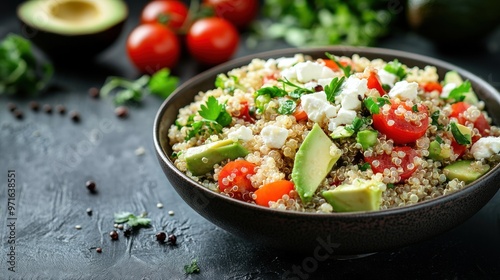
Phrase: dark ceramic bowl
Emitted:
{"points": [[338, 233]]}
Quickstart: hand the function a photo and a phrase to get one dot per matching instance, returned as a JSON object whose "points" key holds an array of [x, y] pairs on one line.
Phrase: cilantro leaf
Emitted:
{"points": [[333, 89], [357, 123], [395, 67], [414, 108], [272, 92], [192, 267], [459, 93], [20, 71], [286, 107], [435, 120], [162, 84], [131, 219], [462, 139], [211, 109], [215, 117], [365, 166], [345, 69]]}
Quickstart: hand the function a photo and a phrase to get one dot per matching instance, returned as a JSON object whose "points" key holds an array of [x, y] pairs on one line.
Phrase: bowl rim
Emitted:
{"points": [[362, 51]]}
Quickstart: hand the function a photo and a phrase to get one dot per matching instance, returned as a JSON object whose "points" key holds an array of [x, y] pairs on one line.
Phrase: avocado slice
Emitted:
{"points": [[201, 159], [367, 138], [453, 77], [313, 161], [361, 195], [438, 153], [464, 170], [72, 28]]}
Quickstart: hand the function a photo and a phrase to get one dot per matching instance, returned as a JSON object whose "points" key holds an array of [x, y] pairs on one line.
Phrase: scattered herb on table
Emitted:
{"points": [[192, 267], [132, 220], [161, 84], [20, 71]]}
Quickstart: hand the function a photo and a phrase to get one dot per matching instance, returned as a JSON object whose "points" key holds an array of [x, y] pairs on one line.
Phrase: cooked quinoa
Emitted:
{"points": [[273, 133]]}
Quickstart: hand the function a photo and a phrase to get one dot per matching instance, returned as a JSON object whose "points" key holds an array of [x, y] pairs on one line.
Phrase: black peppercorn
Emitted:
{"points": [[34, 106], [94, 92], [127, 232], [91, 186], [11, 106], [98, 250], [75, 116], [172, 239], [61, 109], [47, 108], [121, 111], [18, 114], [161, 236], [89, 211], [114, 235]]}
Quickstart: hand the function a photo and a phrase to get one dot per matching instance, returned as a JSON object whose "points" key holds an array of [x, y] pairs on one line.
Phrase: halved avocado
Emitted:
{"points": [[72, 28]]}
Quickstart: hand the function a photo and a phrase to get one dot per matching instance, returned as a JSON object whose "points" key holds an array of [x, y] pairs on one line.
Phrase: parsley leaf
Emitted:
{"points": [[462, 139], [345, 69], [365, 166], [132, 220], [211, 109], [298, 91], [192, 267], [160, 84], [435, 120], [286, 107], [357, 123], [333, 89], [395, 67], [20, 71], [222, 80], [459, 93], [390, 185], [215, 117], [272, 92], [414, 108], [439, 139]]}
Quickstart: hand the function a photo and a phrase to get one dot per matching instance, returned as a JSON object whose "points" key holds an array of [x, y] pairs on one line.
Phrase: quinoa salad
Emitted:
{"points": [[335, 134]]}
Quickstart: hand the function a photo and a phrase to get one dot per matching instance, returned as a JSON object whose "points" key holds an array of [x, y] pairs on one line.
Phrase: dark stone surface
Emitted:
{"points": [[53, 157]]}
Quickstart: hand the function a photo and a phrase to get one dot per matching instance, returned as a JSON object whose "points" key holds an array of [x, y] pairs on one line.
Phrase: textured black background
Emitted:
{"points": [[54, 157]]}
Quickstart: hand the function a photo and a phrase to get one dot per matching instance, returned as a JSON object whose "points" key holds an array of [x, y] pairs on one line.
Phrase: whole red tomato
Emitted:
{"points": [[212, 40], [238, 12], [171, 12], [152, 46]]}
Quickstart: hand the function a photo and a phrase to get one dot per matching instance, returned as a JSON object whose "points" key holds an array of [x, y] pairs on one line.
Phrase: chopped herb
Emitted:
{"points": [[221, 79], [20, 71], [333, 89], [459, 93], [272, 92], [345, 69], [396, 68], [435, 120], [439, 139], [298, 91], [356, 125], [386, 87], [286, 107], [192, 267], [160, 84], [371, 105], [462, 139], [414, 108], [390, 186], [132, 220], [215, 117], [365, 166]]}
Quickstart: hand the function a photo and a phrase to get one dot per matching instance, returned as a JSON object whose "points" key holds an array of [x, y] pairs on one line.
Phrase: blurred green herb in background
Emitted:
{"points": [[327, 22]]}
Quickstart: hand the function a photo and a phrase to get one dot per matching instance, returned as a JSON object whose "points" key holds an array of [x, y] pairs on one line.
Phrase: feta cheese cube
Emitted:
{"points": [[317, 107], [344, 116], [387, 78], [287, 62], [404, 90], [485, 147], [289, 73], [274, 136], [242, 133], [352, 88]]}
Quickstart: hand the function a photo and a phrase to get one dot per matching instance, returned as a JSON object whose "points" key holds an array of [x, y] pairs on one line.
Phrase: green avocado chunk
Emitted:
{"points": [[313, 161], [367, 138], [361, 195], [201, 159], [454, 77], [465, 170], [438, 153]]}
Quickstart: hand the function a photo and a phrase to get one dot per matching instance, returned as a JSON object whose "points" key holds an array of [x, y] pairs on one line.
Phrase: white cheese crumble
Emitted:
{"points": [[387, 78], [485, 147], [445, 92], [317, 107], [404, 90], [274, 136], [351, 89], [344, 116], [307, 71], [242, 133]]}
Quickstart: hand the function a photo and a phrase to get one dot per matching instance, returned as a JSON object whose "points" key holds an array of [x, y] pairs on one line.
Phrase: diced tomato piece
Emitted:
{"points": [[458, 149], [234, 179], [332, 65], [396, 127], [432, 86], [244, 112], [272, 192], [300, 114], [457, 110], [374, 83], [384, 161], [271, 77]]}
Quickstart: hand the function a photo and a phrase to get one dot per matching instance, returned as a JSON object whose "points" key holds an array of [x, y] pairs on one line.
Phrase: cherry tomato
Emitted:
{"points": [[239, 12], [374, 82], [212, 40], [244, 112], [396, 127], [432, 86], [169, 12], [385, 162], [233, 179], [481, 123], [458, 149], [300, 114], [152, 47]]}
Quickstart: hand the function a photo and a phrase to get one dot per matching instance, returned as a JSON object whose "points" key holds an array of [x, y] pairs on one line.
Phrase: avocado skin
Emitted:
{"points": [[452, 22], [76, 47]]}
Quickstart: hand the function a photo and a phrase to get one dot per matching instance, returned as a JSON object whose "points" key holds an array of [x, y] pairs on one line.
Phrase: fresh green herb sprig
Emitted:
{"points": [[395, 67], [356, 124], [298, 91], [373, 105], [435, 120], [192, 267], [161, 84], [462, 139], [333, 89], [215, 117], [460, 92], [20, 71], [132, 220]]}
